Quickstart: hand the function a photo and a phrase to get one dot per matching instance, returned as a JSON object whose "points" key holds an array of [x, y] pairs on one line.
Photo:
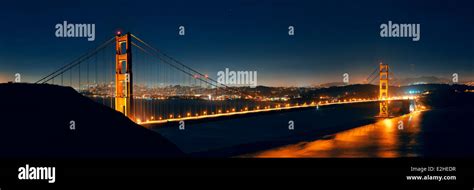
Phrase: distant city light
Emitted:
{"points": [[413, 92]]}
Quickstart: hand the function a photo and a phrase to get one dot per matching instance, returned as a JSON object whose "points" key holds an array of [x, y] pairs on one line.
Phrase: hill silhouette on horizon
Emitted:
{"points": [[35, 123]]}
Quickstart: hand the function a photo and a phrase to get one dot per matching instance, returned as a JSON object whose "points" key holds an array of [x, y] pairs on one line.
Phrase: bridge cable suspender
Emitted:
{"points": [[74, 62]]}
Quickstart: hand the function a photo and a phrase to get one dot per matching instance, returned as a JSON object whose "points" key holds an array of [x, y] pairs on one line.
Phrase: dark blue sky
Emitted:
{"points": [[331, 37]]}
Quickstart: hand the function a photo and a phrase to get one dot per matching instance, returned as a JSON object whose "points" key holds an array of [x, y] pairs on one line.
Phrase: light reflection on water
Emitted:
{"points": [[386, 138]]}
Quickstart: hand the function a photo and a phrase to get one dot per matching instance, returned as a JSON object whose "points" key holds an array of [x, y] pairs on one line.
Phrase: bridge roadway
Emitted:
{"points": [[278, 108]]}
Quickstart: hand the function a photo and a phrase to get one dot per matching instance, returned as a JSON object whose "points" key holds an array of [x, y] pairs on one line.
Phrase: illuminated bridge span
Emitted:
{"points": [[149, 86]]}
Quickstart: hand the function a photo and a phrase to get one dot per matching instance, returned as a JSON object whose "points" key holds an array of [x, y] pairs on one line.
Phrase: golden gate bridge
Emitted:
{"points": [[154, 87]]}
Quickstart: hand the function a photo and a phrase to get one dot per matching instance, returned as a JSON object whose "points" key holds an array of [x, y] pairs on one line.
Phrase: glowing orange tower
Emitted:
{"points": [[383, 90], [123, 74]]}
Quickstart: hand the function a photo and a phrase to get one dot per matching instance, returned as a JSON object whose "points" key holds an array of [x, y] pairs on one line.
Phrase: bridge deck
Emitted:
{"points": [[263, 110]]}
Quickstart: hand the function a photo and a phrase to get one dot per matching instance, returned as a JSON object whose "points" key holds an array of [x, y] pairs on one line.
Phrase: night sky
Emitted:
{"points": [[331, 37]]}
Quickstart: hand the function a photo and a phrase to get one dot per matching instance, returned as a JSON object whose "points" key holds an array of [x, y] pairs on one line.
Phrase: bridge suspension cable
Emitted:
{"points": [[174, 66], [372, 75], [174, 60], [373, 79], [158, 54], [74, 63]]}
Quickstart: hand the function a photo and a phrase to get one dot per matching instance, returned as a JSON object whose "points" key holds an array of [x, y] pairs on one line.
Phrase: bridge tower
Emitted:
{"points": [[383, 90], [123, 74]]}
